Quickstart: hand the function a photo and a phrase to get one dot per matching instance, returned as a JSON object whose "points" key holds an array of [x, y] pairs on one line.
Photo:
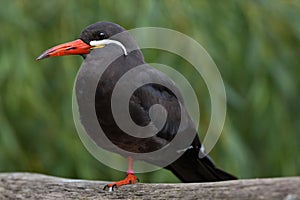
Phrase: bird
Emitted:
{"points": [[104, 41]]}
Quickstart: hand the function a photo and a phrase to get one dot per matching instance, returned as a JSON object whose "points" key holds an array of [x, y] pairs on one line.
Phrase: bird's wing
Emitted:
{"points": [[164, 92]]}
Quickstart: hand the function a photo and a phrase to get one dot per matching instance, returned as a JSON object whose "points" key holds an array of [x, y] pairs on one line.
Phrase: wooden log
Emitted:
{"points": [[38, 186]]}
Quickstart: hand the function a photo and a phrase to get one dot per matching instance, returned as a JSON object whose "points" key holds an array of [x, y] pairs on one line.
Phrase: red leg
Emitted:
{"points": [[130, 178]]}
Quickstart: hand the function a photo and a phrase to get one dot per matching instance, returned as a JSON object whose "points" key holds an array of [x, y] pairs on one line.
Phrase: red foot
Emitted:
{"points": [[130, 179]]}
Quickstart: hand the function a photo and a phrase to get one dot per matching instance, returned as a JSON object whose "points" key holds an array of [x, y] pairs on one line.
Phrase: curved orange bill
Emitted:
{"points": [[76, 47]]}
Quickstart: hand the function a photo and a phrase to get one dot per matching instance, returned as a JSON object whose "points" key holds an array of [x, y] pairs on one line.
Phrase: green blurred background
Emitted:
{"points": [[255, 44]]}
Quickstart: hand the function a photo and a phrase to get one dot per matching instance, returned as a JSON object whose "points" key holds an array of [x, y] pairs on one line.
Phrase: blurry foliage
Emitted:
{"points": [[255, 44]]}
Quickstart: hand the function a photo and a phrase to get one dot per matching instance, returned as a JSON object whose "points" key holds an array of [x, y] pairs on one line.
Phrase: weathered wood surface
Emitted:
{"points": [[37, 186]]}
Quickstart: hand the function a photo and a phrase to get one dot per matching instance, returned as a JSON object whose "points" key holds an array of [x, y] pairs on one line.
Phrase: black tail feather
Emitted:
{"points": [[190, 168]]}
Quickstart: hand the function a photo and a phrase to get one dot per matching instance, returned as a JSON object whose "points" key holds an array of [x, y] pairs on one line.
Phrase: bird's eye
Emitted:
{"points": [[102, 35]]}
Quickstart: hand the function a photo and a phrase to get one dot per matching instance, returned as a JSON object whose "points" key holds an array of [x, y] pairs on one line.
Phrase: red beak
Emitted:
{"points": [[76, 47]]}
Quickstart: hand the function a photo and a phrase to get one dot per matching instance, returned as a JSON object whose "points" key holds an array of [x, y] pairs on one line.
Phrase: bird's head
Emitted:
{"points": [[97, 35]]}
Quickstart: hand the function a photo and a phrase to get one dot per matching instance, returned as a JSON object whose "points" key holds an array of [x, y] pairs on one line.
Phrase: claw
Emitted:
{"points": [[110, 187], [114, 187]]}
